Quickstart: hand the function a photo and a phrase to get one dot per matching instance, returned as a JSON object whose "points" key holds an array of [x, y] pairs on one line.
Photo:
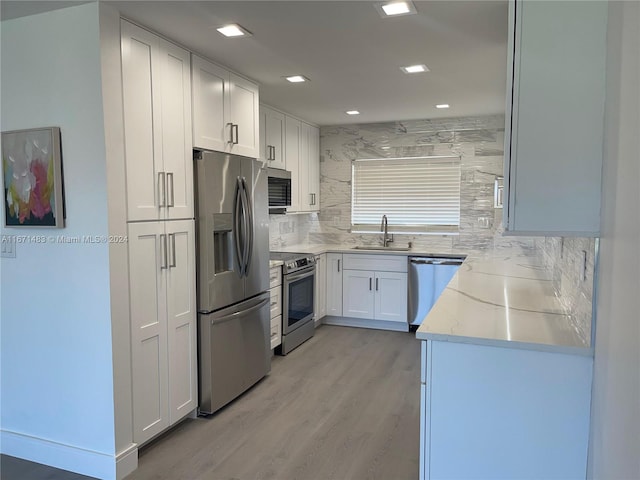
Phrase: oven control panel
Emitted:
{"points": [[300, 263]]}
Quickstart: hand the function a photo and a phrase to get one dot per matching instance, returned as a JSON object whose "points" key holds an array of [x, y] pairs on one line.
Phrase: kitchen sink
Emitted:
{"points": [[390, 249]]}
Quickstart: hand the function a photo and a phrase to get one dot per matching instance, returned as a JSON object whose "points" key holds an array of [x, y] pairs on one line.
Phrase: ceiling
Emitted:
{"points": [[351, 55]]}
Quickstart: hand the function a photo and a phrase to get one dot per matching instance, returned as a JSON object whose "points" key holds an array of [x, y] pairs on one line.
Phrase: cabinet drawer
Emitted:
{"points": [[276, 321], [275, 277], [276, 334], [379, 263], [276, 301]]}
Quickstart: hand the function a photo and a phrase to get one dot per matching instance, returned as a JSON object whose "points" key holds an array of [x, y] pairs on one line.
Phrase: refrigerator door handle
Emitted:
{"points": [[237, 212], [249, 217], [242, 313]]}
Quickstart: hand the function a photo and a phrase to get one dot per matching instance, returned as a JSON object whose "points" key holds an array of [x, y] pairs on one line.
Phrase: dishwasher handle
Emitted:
{"points": [[435, 261]]}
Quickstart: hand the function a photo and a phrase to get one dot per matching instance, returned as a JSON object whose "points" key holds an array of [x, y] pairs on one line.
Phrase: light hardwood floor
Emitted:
{"points": [[344, 405]]}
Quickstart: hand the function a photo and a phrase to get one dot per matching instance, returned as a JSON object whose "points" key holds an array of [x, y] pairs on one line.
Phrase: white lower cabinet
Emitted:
{"points": [[320, 294], [375, 295], [334, 284], [163, 324], [275, 282], [375, 287]]}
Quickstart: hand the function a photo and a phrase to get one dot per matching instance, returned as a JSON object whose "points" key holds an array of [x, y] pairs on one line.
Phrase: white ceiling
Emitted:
{"points": [[351, 54]]}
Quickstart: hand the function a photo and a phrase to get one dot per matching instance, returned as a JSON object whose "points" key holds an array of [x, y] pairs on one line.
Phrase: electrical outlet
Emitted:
{"points": [[484, 222], [8, 249]]}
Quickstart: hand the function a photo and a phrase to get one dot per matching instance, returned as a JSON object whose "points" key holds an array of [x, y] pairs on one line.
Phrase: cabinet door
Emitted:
{"points": [[293, 136], [358, 294], [149, 361], [303, 168], [320, 301], [141, 60], [391, 296], [210, 105], [552, 179], [273, 137], [181, 318], [334, 284], [177, 150], [244, 114], [314, 168]]}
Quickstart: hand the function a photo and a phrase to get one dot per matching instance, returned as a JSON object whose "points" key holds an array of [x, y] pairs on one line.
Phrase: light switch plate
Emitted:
{"points": [[8, 249]]}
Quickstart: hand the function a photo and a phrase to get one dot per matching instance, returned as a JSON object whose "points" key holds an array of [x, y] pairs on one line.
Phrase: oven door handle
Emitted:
{"points": [[299, 276]]}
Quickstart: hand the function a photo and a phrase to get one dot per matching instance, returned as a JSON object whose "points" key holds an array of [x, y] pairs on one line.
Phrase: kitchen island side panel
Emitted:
{"points": [[505, 413]]}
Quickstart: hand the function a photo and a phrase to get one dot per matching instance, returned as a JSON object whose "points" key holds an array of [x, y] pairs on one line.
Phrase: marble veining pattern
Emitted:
{"points": [[503, 298]]}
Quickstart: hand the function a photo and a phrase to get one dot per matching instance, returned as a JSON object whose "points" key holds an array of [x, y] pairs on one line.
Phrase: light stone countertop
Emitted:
{"points": [[275, 263], [501, 297]]}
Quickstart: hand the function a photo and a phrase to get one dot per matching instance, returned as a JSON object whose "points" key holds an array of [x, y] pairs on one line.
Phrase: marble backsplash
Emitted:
{"points": [[573, 284], [479, 141]]}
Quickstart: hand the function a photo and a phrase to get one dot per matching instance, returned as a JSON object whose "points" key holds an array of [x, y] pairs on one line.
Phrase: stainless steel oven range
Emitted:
{"points": [[298, 285]]}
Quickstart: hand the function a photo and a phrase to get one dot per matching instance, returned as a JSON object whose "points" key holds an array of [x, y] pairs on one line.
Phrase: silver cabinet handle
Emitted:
{"points": [[376, 284], [172, 244], [234, 126], [311, 199], [162, 187], [163, 251], [170, 188], [273, 156], [230, 125], [314, 199], [369, 283], [338, 265]]}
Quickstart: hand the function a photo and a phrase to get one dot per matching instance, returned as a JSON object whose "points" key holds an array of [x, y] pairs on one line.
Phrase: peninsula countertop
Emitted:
{"points": [[499, 297], [503, 299]]}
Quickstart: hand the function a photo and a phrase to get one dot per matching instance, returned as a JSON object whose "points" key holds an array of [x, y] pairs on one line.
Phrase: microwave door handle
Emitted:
{"points": [[237, 207], [249, 217]]}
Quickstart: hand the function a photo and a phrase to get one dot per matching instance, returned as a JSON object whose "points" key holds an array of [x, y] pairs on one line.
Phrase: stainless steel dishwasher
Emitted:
{"points": [[428, 277]]}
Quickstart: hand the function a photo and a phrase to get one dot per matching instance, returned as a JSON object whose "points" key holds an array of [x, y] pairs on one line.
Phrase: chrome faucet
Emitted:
{"points": [[384, 228]]}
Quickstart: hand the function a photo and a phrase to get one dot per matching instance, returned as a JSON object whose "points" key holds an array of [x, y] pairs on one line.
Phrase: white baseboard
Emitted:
{"points": [[126, 461], [67, 457], [364, 323]]}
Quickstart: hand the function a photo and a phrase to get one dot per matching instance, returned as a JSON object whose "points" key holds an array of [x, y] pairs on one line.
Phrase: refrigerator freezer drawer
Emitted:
{"points": [[234, 351]]}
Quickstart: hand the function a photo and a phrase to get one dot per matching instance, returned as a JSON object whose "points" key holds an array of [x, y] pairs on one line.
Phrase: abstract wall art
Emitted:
{"points": [[32, 178]]}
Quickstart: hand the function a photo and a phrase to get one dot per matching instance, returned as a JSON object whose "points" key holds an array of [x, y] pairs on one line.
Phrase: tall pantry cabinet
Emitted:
{"points": [[156, 85]]}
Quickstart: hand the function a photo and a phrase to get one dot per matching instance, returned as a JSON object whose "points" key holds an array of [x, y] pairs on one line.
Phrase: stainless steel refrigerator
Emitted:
{"points": [[233, 276]]}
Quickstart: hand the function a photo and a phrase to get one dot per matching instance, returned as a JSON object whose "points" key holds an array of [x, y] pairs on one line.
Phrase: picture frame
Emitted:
{"points": [[32, 178]]}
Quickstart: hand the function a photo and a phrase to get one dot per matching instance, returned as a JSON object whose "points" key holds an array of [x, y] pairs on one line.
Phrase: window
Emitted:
{"points": [[418, 195]]}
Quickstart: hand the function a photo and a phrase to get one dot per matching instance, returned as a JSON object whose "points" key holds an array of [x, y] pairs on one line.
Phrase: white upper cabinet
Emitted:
{"points": [[225, 110], [555, 114], [245, 106], [272, 130], [210, 105], [310, 168], [293, 138], [157, 123]]}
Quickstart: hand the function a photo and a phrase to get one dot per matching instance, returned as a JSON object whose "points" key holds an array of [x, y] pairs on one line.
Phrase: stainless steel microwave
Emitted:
{"points": [[279, 190]]}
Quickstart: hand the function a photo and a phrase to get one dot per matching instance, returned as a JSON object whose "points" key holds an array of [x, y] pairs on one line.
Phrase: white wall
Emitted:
{"points": [[615, 425], [57, 379]]}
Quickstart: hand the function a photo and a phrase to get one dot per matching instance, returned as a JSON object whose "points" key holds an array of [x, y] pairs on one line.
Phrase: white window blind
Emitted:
{"points": [[418, 195]]}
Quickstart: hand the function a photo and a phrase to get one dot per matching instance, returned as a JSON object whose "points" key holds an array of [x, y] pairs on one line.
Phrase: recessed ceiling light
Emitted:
{"points": [[395, 8], [352, 112], [234, 30], [415, 69], [297, 79], [443, 105]]}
